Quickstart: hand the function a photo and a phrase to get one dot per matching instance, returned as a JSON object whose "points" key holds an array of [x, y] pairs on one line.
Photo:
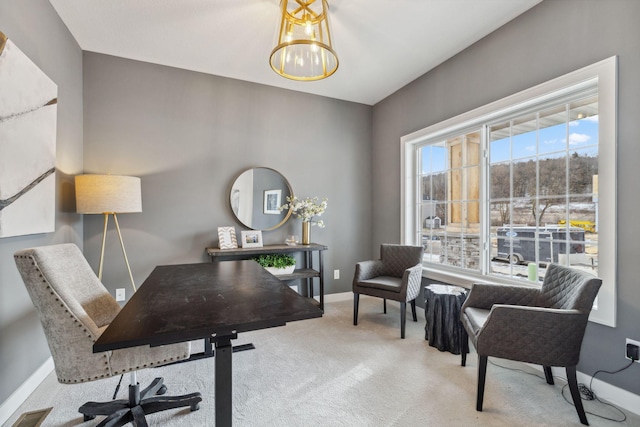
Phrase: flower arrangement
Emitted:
{"points": [[306, 209]]}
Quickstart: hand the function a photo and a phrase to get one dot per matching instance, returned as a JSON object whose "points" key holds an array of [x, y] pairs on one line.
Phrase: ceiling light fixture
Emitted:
{"points": [[304, 50]]}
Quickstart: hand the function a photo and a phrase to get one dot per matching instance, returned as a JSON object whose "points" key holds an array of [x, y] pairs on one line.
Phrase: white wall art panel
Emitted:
{"points": [[28, 115]]}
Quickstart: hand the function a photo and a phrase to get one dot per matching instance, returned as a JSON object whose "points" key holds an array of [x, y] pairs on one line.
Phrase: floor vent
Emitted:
{"points": [[32, 419]]}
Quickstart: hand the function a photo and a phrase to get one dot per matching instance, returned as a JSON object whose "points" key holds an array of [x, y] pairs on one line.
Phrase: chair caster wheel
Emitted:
{"points": [[161, 390], [88, 417], [195, 407]]}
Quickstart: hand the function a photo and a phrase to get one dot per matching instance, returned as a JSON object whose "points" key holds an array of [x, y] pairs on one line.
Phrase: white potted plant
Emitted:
{"points": [[277, 264]]}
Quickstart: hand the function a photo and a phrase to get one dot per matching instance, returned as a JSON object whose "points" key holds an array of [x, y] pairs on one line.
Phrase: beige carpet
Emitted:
{"points": [[327, 372]]}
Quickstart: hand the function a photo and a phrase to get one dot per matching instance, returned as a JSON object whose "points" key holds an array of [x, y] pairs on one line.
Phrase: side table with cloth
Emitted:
{"points": [[443, 329]]}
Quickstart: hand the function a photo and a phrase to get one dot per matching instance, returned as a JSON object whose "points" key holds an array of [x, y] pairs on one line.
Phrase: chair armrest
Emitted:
{"points": [[545, 336], [483, 295], [366, 270], [411, 281]]}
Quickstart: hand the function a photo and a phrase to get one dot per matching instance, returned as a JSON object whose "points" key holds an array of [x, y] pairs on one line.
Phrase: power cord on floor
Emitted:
{"points": [[518, 370], [586, 393]]}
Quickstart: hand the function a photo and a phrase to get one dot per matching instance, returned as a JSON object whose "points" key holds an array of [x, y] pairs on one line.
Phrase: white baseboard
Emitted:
{"points": [[612, 394], [19, 396]]}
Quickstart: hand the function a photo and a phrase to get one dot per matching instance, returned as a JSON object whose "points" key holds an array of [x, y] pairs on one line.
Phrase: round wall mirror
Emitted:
{"points": [[256, 195]]}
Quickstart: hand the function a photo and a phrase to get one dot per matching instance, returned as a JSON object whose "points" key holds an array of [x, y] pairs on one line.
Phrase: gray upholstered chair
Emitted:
{"points": [[396, 276], [544, 326], [74, 309]]}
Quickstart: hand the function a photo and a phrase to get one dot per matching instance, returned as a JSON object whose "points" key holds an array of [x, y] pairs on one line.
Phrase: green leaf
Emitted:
{"points": [[275, 260]]}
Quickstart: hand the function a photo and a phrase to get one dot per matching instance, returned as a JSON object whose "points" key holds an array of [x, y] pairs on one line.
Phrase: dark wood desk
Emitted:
{"points": [[215, 301]]}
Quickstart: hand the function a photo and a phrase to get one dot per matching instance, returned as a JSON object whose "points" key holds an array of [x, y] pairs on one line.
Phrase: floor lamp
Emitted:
{"points": [[109, 195]]}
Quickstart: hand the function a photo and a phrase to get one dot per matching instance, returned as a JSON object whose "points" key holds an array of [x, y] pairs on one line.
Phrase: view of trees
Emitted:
{"points": [[533, 170], [552, 174]]}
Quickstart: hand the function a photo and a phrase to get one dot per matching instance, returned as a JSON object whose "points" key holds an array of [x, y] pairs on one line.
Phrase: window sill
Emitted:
{"points": [[467, 279]]}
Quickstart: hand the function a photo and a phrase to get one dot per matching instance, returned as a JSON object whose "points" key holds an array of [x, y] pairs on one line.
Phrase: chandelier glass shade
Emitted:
{"points": [[304, 50]]}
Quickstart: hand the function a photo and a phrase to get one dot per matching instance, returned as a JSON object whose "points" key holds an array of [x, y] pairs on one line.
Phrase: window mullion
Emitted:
{"points": [[567, 180], [484, 199], [537, 195]]}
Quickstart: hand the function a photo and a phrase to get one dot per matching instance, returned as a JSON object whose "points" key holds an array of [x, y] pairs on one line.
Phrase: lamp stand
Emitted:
{"points": [[124, 252]]}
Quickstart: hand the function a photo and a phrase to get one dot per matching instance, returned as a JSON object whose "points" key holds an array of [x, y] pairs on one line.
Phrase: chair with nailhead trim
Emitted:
{"points": [[75, 308]]}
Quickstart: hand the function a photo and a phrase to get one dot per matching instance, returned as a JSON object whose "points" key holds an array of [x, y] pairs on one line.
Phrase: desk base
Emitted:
{"points": [[123, 411], [208, 351], [223, 375]]}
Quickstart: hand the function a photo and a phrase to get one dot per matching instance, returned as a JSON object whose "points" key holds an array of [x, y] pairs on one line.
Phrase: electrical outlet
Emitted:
{"points": [[336, 274], [120, 294], [632, 347]]}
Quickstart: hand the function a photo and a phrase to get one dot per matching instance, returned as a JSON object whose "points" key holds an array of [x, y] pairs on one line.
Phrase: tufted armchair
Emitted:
{"points": [[397, 276], [542, 326], [74, 309]]}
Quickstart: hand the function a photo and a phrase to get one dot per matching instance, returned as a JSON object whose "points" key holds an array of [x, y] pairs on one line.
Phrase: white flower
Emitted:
{"points": [[306, 209]]}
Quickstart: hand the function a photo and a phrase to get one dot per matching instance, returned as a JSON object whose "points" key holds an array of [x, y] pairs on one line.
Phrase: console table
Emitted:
{"points": [[306, 273]]}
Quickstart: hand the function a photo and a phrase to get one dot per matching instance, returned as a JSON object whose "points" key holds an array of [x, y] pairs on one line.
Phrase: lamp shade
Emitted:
{"points": [[304, 50], [96, 194]]}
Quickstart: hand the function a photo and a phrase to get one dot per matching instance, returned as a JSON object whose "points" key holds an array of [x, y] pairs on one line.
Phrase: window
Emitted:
{"points": [[449, 174], [527, 180], [542, 173]]}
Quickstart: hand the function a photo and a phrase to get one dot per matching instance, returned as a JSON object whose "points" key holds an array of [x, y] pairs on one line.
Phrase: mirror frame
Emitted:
{"points": [[286, 181]]}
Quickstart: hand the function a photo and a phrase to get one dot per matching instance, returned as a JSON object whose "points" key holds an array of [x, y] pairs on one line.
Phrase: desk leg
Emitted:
{"points": [[223, 385], [309, 264], [321, 290], [208, 348]]}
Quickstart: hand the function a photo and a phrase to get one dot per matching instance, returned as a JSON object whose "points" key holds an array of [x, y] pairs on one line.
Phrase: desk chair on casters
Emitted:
{"points": [[544, 326], [74, 309], [396, 276]]}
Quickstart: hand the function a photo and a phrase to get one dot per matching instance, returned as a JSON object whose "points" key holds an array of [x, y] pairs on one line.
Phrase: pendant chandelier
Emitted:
{"points": [[304, 50]]}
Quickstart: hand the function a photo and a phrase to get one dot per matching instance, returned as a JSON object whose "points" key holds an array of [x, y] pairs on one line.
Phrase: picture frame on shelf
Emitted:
{"points": [[272, 201], [227, 238], [251, 238]]}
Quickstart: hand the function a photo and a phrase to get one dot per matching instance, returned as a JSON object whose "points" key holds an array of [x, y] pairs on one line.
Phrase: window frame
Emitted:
{"points": [[602, 75]]}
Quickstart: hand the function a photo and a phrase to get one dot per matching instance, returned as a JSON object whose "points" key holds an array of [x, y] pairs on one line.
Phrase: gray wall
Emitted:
{"points": [[552, 39], [35, 28], [188, 136]]}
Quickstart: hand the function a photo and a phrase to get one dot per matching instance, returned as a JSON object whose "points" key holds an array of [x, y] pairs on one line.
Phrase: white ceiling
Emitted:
{"points": [[382, 44]]}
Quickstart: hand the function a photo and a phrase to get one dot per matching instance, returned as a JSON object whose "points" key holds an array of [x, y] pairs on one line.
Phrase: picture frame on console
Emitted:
{"points": [[227, 238], [251, 238], [272, 201]]}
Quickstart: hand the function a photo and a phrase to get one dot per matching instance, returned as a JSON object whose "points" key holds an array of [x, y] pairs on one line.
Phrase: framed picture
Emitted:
{"points": [[272, 202], [28, 120], [227, 238], [252, 239]]}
